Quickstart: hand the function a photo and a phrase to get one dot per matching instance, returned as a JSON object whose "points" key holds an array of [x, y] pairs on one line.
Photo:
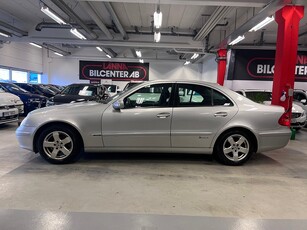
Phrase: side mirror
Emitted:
{"points": [[303, 101], [118, 105]]}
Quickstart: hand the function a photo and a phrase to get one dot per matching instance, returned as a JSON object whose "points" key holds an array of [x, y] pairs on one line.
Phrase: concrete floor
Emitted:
{"points": [[151, 191]]}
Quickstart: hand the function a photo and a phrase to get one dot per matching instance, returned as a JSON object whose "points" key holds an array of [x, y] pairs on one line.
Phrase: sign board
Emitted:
{"points": [[115, 71], [258, 65]]}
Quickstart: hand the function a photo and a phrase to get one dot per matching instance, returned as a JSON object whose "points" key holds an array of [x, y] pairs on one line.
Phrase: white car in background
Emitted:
{"points": [[298, 117], [10, 107]]}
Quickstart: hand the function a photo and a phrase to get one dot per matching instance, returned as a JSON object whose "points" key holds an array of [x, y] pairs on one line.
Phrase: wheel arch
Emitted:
{"points": [[244, 129], [52, 123]]}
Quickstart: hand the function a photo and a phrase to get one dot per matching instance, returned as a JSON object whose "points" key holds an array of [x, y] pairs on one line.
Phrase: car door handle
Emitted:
{"points": [[221, 114], [163, 115]]}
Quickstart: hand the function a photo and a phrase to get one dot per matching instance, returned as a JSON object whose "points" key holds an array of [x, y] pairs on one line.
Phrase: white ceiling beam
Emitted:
{"points": [[236, 3], [107, 43], [269, 10]]}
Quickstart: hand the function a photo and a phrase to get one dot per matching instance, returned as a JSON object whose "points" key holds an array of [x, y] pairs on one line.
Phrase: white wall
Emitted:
{"points": [[209, 72], [21, 56], [65, 70]]}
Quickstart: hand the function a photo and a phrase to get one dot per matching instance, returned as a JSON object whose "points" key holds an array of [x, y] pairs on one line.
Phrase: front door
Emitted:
{"points": [[144, 121]]}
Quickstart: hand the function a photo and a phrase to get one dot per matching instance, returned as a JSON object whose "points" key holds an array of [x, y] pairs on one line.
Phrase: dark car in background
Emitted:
{"points": [[79, 92], [38, 89], [31, 101]]}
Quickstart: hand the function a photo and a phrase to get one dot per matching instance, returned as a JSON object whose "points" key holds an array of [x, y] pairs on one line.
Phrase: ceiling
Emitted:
{"points": [[121, 27]]}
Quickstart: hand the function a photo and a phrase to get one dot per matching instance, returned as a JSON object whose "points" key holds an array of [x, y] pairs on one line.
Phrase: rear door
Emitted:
{"points": [[199, 112]]}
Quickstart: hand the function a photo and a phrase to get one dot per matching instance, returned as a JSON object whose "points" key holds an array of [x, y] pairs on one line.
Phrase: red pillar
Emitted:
{"points": [[221, 65], [288, 19]]}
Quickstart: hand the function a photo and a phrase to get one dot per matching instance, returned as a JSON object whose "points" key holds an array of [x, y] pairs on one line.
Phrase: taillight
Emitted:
{"points": [[284, 120]]}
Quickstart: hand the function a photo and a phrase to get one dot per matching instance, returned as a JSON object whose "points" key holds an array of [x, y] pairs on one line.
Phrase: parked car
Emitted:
{"points": [[158, 116], [79, 92], [5, 95], [8, 110], [30, 101], [298, 116], [112, 89], [37, 89]]}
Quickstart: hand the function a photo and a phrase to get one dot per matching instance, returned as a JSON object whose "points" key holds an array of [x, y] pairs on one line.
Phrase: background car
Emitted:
{"points": [[4, 94], [37, 89], [79, 92], [158, 116], [298, 115], [8, 109], [112, 89], [30, 101]]}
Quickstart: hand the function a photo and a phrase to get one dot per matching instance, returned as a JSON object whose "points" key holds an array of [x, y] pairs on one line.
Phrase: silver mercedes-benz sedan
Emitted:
{"points": [[158, 116]]}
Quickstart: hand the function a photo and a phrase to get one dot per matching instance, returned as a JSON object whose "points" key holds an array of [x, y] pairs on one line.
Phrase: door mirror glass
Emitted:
{"points": [[118, 105], [303, 101]]}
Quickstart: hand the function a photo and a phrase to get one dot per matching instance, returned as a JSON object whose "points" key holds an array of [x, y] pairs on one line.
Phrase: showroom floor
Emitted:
{"points": [[151, 192]]}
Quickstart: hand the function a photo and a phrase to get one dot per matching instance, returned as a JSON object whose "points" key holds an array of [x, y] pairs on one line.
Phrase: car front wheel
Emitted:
{"points": [[59, 145], [234, 147]]}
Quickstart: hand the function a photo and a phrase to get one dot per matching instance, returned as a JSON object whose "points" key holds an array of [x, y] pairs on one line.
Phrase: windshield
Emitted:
{"points": [[81, 90], [2, 90], [44, 89], [15, 88]]}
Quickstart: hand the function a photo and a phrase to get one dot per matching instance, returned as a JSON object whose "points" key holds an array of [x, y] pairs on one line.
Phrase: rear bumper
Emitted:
{"points": [[274, 139]]}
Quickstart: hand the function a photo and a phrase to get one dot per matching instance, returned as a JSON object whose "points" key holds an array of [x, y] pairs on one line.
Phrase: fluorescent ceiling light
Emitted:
{"points": [[36, 45], [58, 54], [75, 32], [238, 39], [52, 15], [157, 36], [157, 19], [266, 21], [4, 34], [97, 47], [138, 53], [187, 62], [108, 56], [141, 60], [195, 55]]}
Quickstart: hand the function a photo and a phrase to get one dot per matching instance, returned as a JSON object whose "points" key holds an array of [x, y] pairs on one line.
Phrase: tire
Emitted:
{"points": [[234, 147], [59, 144]]}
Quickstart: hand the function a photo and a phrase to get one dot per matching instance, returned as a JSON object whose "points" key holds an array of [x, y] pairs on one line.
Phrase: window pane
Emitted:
{"points": [[19, 76], [149, 96], [194, 95], [220, 99], [4, 75]]}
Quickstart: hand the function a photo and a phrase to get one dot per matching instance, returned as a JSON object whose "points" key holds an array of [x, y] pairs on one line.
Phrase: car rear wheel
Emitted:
{"points": [[234, 147], [59, 145]]}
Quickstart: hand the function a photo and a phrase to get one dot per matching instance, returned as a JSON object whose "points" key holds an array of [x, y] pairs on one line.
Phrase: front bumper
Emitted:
{"points": [[299, 122], [25, 136]]}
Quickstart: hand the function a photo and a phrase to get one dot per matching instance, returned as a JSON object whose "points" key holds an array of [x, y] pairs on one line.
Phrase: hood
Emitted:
{"points": [[9, 98], [70, 108]]}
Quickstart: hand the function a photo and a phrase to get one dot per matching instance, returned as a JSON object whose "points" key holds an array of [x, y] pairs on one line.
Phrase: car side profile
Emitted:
{"points": [[158, 116]]}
